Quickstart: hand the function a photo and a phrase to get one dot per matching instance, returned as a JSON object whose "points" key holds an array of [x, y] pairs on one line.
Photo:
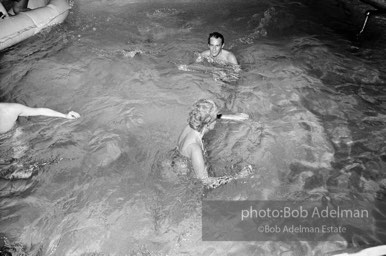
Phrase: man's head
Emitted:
{"points": [[215, 43], [216, 35], [204, 113]]}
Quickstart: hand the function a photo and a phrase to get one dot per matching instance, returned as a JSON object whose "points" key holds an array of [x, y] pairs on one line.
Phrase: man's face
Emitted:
{"points": [[215, 46]]}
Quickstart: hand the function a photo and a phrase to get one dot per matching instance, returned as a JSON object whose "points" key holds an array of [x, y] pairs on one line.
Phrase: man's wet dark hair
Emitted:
{"points": [[216, 35]]}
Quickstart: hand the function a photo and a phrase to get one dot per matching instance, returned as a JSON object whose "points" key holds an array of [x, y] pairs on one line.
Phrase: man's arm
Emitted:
{"points": [[201, 56], [27, 111]]}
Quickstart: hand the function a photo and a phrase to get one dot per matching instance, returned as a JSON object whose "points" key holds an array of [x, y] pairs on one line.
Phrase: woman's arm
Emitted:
{"points": [[201, 171], [198, 162], [214, 182], [234, 117]]}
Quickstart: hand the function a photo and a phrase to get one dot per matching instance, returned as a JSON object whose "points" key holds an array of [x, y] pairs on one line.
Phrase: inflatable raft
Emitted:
{"points": [[14, 29]]}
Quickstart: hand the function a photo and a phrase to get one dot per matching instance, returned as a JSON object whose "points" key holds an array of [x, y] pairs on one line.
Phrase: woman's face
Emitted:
{"points": [[210, 126]]}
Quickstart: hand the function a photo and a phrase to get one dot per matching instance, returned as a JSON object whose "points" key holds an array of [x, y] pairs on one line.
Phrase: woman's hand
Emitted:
{"points": [[72, 115], [236, 117], [241, 117]]}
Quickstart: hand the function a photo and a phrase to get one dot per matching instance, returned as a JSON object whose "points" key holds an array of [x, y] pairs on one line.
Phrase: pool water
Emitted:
{"points": [[317, 126]]}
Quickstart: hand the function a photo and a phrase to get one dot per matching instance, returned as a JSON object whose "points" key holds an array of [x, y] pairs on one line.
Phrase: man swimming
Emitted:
{"points": [[223, 63], [216, 52], [9, 112]]}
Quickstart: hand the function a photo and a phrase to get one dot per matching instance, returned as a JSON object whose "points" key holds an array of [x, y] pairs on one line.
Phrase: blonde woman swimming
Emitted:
{"points": [[202, 119]]}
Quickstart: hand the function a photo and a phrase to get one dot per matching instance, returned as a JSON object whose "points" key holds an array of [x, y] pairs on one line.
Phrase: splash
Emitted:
{"points": [[273, 20]]}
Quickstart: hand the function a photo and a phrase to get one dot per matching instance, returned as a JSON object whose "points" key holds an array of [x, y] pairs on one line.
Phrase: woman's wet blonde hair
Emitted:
{"points": [[204, 112]]}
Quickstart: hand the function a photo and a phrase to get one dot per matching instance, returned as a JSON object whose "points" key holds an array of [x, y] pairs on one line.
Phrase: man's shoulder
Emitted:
{"points": [[228, 53], [229, 57]]}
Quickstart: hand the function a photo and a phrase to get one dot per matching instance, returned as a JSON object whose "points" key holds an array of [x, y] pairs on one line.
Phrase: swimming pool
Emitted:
{"points": [[317, 126]]}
